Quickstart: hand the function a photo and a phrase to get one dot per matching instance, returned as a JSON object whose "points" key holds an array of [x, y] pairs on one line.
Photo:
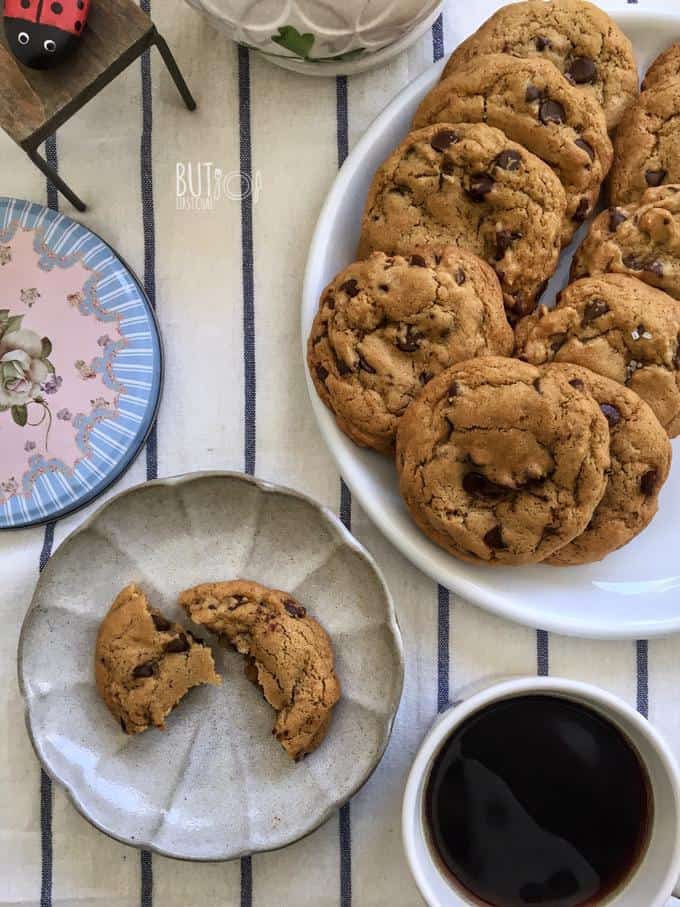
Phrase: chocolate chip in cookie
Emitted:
{"points": [[551, 112], [480, 185], [442, 139], [582, 71], [649, 482], [611, 413], [655, 177], [509, 160], [593, 310], [585, 146]]}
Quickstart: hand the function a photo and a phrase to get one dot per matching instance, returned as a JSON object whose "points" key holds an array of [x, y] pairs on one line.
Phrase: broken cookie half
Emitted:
{"points": [[288, 654], [145, 663]]}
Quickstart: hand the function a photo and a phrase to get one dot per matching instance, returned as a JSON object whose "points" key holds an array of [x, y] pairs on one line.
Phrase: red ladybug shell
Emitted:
{"points": [[67, 15]]}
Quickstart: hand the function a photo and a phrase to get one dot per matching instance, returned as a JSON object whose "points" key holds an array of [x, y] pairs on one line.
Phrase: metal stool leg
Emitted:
{"points": [[55, 179], [174, 71]]}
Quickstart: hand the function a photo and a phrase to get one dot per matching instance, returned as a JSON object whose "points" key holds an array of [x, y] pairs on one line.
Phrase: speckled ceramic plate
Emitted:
{"points": [[635, 592], [80, 365], [215, 785]]}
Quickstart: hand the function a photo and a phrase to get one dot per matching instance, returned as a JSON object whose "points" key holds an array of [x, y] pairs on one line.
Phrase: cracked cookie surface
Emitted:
{"points": [[535, 106], [647, 144], [642, 241], [469, 185], [502, 462], [387, 325], [618, 327], [289, 654], [640, 455], [666, 66], [145, 663], [582, 41]]}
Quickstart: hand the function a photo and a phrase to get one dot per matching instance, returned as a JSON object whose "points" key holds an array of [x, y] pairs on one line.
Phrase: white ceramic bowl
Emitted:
{"points": [[635, 592], [320, 38]]}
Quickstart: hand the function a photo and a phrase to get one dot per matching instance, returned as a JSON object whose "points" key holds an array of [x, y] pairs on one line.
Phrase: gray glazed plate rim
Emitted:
{"points": [[391, 621]]}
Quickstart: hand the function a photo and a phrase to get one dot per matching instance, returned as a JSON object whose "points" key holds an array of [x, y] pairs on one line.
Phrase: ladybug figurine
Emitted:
{"points": [[41, 33]]}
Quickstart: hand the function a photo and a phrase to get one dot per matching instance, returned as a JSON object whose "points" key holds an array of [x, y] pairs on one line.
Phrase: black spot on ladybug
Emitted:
{"points": [[78, 25], [56, 8], [25, 4], [80, 4]]}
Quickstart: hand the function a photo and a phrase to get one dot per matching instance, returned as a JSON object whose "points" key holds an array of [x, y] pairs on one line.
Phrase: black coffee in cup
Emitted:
{"points": [[538, 800]]}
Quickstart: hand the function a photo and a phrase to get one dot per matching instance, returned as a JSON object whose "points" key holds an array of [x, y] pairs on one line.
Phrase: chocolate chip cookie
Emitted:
{"points": [[577, 37], [389, 324], [501, 462], [289, 654], [469, 185], [647, 144], [531, 102], [665, 67], [640, 240], [145, 663], [640, 455], [618, 327]]}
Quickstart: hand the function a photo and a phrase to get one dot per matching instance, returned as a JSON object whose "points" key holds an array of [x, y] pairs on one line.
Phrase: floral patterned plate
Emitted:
{"points": [[80, 365]]}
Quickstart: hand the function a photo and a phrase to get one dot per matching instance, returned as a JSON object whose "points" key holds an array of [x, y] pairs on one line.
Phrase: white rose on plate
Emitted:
{"points": [[24, 365]]}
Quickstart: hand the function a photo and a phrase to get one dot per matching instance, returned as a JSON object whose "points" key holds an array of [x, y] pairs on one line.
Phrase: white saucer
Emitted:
{"points": [[215, 785]]}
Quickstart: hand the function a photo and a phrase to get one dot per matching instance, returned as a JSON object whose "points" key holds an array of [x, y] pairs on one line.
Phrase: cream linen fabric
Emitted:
{"points": [[196, 260]]}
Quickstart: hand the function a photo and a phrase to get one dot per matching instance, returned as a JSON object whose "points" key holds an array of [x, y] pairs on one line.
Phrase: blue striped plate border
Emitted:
{"points": [[49, 490]]}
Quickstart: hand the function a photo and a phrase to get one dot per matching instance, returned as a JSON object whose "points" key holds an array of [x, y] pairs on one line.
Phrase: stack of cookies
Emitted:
{"points": [[522, 434]]}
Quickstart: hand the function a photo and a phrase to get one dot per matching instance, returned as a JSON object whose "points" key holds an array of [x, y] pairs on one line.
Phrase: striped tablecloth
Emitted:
{"points": [[226, 283]]}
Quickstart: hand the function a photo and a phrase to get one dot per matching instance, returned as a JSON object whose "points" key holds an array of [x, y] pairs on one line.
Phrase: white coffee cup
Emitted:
{"points": [[650, 884]]}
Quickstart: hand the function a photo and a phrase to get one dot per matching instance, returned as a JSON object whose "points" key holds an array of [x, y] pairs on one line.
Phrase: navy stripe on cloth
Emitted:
{"points": [[443, 666], [342, 119], [642, 653], [146, 886], [52, 160], [248, 286], [542, 653], [345, 817], [148, 224], [47, 855], [438, 38], [46, 839], [443, 596], [149, 234], [247, 268], [246, 881], [345, 504]]}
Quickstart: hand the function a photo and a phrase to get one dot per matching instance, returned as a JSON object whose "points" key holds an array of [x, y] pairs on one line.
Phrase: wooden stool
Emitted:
{"points": [[34, 103]]}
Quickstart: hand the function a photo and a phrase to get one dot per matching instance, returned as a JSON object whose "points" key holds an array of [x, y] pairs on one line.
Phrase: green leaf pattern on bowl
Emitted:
{"points": [[300, 45]]}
